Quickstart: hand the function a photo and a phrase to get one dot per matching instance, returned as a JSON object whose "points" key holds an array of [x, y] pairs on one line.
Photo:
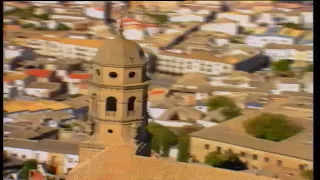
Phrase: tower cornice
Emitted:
{"points": [[124, 87], [96, 119]]}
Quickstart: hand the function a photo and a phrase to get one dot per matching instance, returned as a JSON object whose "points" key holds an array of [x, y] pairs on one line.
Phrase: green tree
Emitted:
{"points": [[220, 101], [163, 138], [310, 68], [28, 25], [271, 127], [293, 26], [282, 68], [28, 165], [230, 113], [226, 160], [307, 174], [183, 147], [62, 27], [41, 28], [42, 16], [160, 18]]}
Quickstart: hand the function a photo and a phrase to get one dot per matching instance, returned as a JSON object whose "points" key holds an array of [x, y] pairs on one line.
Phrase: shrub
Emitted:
{"points": [[271, 127]]}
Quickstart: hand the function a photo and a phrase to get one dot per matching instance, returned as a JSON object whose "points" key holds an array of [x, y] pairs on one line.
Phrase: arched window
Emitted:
{"points": [[131, 103], [111, 104]]}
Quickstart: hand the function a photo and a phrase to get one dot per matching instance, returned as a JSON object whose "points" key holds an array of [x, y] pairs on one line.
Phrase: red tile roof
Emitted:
{"points": [[79, 76], [35, 175], [157, 92], [38, 72]]}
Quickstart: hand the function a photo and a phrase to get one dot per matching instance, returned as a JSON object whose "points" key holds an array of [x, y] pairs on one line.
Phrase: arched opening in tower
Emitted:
{"points": [[111, 104], [131, 103]]}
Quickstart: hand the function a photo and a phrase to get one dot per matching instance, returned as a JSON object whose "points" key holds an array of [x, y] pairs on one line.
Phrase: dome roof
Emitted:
{"points": [[119, 52]]}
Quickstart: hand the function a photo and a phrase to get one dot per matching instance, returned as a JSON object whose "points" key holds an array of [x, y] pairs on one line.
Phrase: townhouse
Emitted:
{"points": [[74, 81], [286, 84], [46, 90], [272, 17], [279, 35], [307, 39], [294, 17], [63, 156], [223, 25], [15, 83], [307, 15], [289, 51], [190, 17], [307, 82], [243, 19]]}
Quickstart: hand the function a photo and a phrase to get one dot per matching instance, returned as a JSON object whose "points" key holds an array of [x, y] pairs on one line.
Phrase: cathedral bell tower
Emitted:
{"points": [[118, 88]]}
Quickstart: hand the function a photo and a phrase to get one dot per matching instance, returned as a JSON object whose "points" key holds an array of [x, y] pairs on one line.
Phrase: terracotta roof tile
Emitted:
{"points": [[79, 76], [35, 175], [106, 166], [39, 72]]}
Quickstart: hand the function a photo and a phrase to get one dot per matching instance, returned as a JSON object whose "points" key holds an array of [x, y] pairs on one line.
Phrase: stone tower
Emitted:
{"points": [[118, 88]]}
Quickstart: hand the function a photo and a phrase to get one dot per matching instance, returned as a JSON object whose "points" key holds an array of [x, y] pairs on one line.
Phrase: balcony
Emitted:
{"points": [[111, 113]]}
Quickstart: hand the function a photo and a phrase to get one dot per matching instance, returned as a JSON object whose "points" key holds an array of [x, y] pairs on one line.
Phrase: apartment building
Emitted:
{"points": [[63, 156], [263, 36], [195, 61], [83, 49], [289, 51]]}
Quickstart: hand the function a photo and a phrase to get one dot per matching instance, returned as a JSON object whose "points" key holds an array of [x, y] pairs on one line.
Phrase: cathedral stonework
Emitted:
{"points": [[118, 88]]}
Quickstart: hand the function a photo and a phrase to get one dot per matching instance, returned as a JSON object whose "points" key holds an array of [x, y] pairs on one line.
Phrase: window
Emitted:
{"points": [[98, 72], [110, 131], [242, 154], [219, 149], [111, 104], [132, 74], [70, 160], [279, 163], [131, 103], [266, 159], [23, 156], [255, 157], [207, 146], [113, 74]]}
